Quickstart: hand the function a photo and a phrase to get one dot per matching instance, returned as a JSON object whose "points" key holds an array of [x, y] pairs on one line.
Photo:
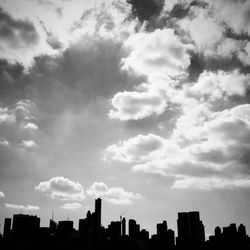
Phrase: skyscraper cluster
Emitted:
{"points": [[24, 232]]}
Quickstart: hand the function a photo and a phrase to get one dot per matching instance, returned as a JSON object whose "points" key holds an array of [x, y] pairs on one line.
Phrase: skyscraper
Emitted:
{"points": [[123, 226], [98, 212], [191, 231], [7, 228]]}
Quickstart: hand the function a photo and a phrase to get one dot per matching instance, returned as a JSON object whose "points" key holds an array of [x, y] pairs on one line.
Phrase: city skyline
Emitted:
{"points": [[25, 232], [144, 103]]}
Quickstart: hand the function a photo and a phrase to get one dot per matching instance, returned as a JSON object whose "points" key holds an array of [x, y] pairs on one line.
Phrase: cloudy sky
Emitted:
{"points": [[142, 102]]}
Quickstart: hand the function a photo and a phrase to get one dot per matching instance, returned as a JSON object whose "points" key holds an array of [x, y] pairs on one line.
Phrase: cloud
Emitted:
{"points": [[16, 33], [135, 105], [21, 207], [210, 183], [4, 143], [71, 206], [30, 126], [30, 145], [51, 39], [205, 150], [137, 149], [62, 189], [161, 54], [234, 13], [204, 30], [145, 9], [115, 195], [220, 85], [6, 116], [2, 194]]}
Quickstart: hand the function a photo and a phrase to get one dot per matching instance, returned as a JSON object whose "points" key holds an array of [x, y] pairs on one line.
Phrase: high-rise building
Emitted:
{"points": [[7, 228], [24, 226], [98, 212], [123, 226], [190, 230], [133, 228]]}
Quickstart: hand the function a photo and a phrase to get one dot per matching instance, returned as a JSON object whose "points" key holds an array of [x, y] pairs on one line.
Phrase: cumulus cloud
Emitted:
{"points": [[22, 207], [137, 149], [161, 54], [71, 206], [205, 150], [29, 145], [30, 126], [220, 85], [6, 116], [234, 13], [62, 189], [2, 194], [204, 30], [135, 105], [115, 195]]}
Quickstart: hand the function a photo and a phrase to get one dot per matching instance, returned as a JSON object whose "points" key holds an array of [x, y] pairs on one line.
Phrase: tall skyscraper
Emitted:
{"points": [[123, 226], [98, 212], [7, 228], [190, 230]]}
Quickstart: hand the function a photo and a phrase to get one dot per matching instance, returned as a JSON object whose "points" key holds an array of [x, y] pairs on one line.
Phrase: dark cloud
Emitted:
{"points": [[145, 9], [51, 39], [13, 82], [15, 32]]}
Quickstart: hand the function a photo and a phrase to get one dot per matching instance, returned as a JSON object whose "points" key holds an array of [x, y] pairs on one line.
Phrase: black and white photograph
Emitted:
{"points": [[124, 124]]}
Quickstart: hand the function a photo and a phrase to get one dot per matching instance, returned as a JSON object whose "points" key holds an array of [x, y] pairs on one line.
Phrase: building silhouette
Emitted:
{"points": [[25, 233], [7, 228], [191, 232]]}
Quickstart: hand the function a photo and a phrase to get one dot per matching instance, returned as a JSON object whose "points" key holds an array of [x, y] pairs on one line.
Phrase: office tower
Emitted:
{"points": [[114, 230], [65, 228], [197, 233], [162, 229], [242, 230], [24, 226], [123, 226], [217, 231], [7, 228], [190, 230], [183, 229], [98, 211], [132, 227]]}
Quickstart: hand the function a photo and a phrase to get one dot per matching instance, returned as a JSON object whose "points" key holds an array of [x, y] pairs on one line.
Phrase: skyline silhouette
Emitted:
{"points": [[24, 232]]}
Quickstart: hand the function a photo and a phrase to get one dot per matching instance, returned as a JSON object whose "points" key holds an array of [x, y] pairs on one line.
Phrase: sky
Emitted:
{"points": [[144, 103]]}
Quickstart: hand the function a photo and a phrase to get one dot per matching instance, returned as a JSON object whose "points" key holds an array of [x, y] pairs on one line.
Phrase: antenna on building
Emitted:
{"points": [[52, 217]]}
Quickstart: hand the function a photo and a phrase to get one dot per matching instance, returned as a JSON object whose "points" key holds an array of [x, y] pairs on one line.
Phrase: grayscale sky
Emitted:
{"points": [[142, 102]]}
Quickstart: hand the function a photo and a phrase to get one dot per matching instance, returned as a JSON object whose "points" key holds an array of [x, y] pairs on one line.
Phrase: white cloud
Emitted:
{"points": [[220, 85], [211, 183], [6, 116], [71, 206], [21, 207], [204, 30], [62, 189], [137, 149], [234, 13], [31, 126], [115, 195], [205, 148], [160, 54], [29, 145], [137, 105], [2, 194], [4, 143]]}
